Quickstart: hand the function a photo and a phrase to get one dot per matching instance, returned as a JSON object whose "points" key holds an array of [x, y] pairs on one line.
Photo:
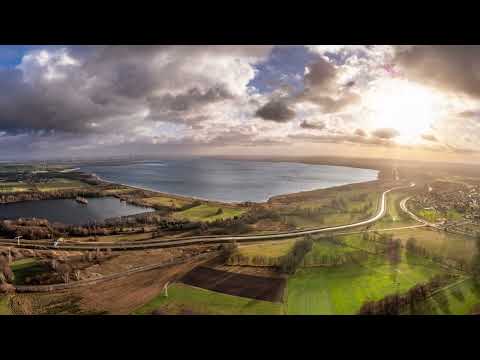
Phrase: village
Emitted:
{"points": [[448, 204]]}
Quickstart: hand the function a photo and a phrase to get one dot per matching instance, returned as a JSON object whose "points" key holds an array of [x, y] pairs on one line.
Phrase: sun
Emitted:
{"points": [[409, 108]]}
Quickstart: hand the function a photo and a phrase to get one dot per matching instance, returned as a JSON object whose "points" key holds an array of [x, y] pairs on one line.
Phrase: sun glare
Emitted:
{"points": [[406, 107]]}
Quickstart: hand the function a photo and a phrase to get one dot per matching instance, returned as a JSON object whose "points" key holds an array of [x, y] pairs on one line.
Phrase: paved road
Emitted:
{"points": [[403, 206], [204, 240]]}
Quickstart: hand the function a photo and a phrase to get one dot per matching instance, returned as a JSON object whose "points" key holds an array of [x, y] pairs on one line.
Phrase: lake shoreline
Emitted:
{"points": [[265, 200]]}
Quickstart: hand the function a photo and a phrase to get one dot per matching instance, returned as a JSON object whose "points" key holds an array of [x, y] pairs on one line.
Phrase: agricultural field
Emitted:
{"points": [[324, 207], [207, 212], [433, 215], [4, 308], [185, 299], [26, 268], [327, 252], [442, 243], [358, 241], [344, 289], [236, 284], [61, 184], [171, 202], [14, 187], [118, 191], [273, 249]]}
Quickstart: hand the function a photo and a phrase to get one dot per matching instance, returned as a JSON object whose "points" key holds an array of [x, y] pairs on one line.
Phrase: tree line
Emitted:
{"points": [[290, 262], [397, 304]]}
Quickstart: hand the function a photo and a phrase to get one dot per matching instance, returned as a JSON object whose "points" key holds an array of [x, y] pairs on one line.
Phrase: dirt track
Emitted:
{"points": [[249, 286]]}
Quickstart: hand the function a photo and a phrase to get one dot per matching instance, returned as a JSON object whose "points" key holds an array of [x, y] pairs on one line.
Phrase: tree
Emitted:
{"points": [[6, 273], [475, 265]]}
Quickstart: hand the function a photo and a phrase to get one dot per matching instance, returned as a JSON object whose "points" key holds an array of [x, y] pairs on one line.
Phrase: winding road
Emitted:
{"points": [[403, 206], [150, 244]]}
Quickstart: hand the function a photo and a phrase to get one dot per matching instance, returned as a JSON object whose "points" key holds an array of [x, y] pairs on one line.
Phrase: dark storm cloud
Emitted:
{"points": [[190, 99], [312, 125], [321, 88], [276, 110], [320, 74], [108, 87], [429, 137], [58, 106], [469, 114], [386, 133], [450, 67]]}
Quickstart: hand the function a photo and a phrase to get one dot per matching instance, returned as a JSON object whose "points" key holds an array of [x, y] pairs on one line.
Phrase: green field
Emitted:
{"points": [[461, 299], [166, 201], [118, 191], [440, 242], [61, 184], [4, 308], [26, 268], [264, 254], [356, 208], [326, 251], [13, 187], [200, 301], [270, 249], [206, 212], [358, 242], [343, 289], [432, 215]]}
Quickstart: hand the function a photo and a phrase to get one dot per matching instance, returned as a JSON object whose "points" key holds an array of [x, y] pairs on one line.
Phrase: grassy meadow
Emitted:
{"points": [[26, 267], [14, 187], [324, 251], [343, 290], [61, 184], [4, 308], [208, 212], [450, 245], [166, 201], [184, 298]]}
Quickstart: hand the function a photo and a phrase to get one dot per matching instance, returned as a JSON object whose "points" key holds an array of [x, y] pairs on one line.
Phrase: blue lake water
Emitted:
{"points": [[69, 211], [229, 180]]}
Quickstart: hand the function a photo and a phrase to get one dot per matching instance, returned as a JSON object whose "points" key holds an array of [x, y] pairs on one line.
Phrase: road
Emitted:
{"points": [[150, 244], [403, 206]]}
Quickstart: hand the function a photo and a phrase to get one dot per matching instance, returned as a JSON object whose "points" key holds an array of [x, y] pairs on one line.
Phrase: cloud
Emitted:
{"points": [[469, 113], [322, 88], [96, 89], [429, 137], [338, 139], [386, 133], [360, 132], [320, 75], [312, 125], [276, 110], [455, 68]]}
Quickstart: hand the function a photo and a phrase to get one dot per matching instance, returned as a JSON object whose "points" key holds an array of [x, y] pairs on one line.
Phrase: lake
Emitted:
{"points": [[229, 180], [69, 211]]}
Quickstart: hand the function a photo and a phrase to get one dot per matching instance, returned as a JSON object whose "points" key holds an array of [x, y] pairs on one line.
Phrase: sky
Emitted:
{"points": [[409, 102]]}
